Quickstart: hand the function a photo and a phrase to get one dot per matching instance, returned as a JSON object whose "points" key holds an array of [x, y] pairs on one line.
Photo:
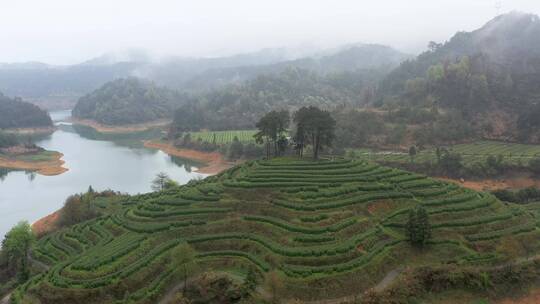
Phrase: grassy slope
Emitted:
{"points": [[224, 137], [331, 228]]}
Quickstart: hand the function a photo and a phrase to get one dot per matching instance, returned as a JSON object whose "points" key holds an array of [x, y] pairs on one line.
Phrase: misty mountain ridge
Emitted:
{"points": [[70, 82], [358, 57], [490, 75]]}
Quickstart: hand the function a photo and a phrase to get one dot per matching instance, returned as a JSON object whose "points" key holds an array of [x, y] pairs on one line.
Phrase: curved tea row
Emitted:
{"points": [[317, 223]]}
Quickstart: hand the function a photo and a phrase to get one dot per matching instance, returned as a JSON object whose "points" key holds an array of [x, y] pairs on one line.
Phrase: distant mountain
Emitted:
{"points": [[354, 58], [491, 75], [41, 82], [15, 113], [127, 101]]}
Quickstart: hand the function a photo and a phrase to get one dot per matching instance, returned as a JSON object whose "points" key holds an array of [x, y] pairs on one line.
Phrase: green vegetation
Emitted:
{"points": [[8, 140], [480, 80], [239, 107], [480, 158], [15, 248], [418, 227], [330, 227], [127, 101], [162, 182], [224, 137], [522, 196], [272, 127], [15, 113]]}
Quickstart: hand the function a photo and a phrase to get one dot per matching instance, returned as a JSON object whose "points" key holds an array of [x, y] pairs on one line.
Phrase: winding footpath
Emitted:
{"points": [[5, 300]]}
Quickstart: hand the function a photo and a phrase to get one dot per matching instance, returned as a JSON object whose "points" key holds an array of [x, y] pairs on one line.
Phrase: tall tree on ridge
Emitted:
{"points": [[314, 126], [271, 127]]}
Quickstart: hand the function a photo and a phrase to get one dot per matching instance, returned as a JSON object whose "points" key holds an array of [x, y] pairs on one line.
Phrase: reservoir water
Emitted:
{"points": [[116, 162]]}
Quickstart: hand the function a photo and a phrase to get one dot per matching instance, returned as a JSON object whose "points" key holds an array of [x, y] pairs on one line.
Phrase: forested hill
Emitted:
{"points": [[490, 74], [239, 106], [61, 85], [353, 58], [235, 98], [15, 113], [127, 101]]}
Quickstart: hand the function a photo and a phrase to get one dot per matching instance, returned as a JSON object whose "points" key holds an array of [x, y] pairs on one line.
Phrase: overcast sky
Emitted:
{"points": [[70, 31]]}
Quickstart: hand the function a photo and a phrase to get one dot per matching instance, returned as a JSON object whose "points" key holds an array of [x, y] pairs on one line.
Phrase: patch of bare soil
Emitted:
{"points": [[214, 161], [512, 181], [49, 168], [532, 298], [46, 224], [121, 129], [31, 131]]}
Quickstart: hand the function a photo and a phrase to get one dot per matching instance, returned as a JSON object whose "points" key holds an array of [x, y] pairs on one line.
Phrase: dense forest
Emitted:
{"points": [[127, 101], [476, 85], [489, 75], [240, 106], [15, 113], [232, 96]]}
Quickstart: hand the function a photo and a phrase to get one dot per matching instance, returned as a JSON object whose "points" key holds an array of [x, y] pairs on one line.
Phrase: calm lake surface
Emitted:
{"points": [[115, 162]]}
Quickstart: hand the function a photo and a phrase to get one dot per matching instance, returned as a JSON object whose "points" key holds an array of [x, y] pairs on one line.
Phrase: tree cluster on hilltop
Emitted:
{"points": [[128, 101], [241, 106], [15, 113], [313, 126]]}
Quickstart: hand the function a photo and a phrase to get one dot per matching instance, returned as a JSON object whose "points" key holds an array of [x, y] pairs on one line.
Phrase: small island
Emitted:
{"points": [[18, 118]]}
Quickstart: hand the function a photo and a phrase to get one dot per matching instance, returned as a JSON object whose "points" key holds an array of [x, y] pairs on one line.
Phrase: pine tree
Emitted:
{"points": [[418, 227]]}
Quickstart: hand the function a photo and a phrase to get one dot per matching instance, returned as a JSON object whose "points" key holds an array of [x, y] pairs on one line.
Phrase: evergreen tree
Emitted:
{"points": [[412, 153], [271, 127], [236, 149], [418, 227], [314, 126]]}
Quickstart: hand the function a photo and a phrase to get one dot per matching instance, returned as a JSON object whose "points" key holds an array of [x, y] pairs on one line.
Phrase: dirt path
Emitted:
{"points": [[49, 168], [169, 296], [517, 181], [388, 279], [5, 300], [532, 298], [121, 129], [214, 161]]}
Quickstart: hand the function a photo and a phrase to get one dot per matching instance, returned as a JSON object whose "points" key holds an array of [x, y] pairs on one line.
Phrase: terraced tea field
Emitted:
{"points": [[224, 137], [514, 154], [329, 228]]}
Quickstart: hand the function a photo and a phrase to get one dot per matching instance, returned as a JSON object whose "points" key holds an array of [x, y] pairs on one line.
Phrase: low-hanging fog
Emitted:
{"points": [[67, 31]]}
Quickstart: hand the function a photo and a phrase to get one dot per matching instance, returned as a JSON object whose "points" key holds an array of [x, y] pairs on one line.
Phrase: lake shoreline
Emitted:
{"points": [[213, 162], [119, 129], [31, 131], [52, 167]]}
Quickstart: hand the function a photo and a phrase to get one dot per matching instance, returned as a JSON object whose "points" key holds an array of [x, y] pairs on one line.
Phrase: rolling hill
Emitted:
{"points": [[55, 86], [489, 75], [329, 229], [127, 101], [15, 113]]}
